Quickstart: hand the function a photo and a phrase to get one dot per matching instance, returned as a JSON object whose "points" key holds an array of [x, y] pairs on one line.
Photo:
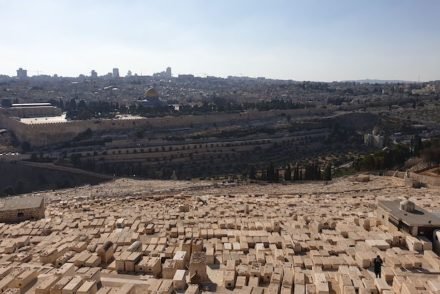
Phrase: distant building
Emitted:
{"points": [[22, 73], [185, 76], [408, 217], [18, 209], [115, 73], [164, 74], [93, 74], [168, 72], [428, 89], [375, 139], [24, 110]]}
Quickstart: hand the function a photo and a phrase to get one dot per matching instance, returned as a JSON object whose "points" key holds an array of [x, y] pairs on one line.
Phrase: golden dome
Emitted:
{"points": [[151, 93]]}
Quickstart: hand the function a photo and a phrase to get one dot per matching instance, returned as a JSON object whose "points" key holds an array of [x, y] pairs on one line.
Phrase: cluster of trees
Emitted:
{"points": [[218, 104], [17, 188], [396, 156], [276, 104], [81, 110], [20, 187], [383, 159], [307, 172], [430, 151]]}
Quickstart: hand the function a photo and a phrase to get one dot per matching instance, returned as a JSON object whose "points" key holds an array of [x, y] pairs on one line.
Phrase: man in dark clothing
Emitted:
{"points": [[378, 266]]}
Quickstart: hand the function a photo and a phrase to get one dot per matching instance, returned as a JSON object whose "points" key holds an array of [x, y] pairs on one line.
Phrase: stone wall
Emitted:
{"points": [[429, 180], [19, 215], [51, 133]]}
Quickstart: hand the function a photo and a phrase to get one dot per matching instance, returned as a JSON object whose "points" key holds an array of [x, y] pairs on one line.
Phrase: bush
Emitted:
{"points": [[431, 154]]}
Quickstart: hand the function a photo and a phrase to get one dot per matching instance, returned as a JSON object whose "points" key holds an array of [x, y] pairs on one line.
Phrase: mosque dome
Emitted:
{"points": [[151, 93]]}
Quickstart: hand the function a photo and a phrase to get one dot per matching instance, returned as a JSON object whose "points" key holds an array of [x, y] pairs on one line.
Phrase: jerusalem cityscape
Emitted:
{"points": [[220, 147]]}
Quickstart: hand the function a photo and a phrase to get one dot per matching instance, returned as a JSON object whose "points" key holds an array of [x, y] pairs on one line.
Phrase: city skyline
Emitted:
{"points": [[316, 40]]}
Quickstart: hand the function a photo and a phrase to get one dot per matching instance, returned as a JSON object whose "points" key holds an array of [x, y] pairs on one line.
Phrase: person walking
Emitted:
{"points": [[378, 266]]}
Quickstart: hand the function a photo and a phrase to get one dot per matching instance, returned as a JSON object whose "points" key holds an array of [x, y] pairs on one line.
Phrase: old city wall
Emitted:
{"points": [[50, 133]]}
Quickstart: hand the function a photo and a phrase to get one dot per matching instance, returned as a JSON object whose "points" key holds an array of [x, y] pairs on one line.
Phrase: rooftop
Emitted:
{"points": [[30, 104], [420, 216], [13, 203], [44, 120]]}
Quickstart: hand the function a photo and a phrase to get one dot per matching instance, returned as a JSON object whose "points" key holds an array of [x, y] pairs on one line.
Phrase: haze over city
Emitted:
{"points": [[299, 40]]}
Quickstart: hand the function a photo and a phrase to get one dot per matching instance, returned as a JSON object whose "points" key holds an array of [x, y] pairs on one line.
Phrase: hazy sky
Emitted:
{"points": [[301, 40]]}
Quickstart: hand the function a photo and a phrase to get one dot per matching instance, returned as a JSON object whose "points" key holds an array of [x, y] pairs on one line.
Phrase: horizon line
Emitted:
{"points": [[361, 80]]}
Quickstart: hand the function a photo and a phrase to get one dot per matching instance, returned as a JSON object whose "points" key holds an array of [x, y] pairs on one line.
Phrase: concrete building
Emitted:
{"points": [[18, 209], [22, 73], [115, 73], [168, 72], [408, 217], [377, 141], [164, 74], [26, 110]]}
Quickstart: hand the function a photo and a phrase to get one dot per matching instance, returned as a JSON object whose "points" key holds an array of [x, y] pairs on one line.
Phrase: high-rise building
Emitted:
{"points": [[164, 74], [22, 73], [93, 74], [168, 72], [116, 73]]}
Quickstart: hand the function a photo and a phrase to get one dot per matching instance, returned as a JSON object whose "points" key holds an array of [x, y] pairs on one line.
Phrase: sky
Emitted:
{"points": [[317, 40]]}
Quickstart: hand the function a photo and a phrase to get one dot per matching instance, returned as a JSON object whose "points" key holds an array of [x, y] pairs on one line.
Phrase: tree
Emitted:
{"points": [[6, 103], [270, 173], [19, 187], [432, 154], [42, 180], [8, 191], [276, 177], [318, 173], [327, 176], [288, 173], [252, 173], [26, 146], [72, 104], [75, 159], [416, 144], [296, 173]]}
